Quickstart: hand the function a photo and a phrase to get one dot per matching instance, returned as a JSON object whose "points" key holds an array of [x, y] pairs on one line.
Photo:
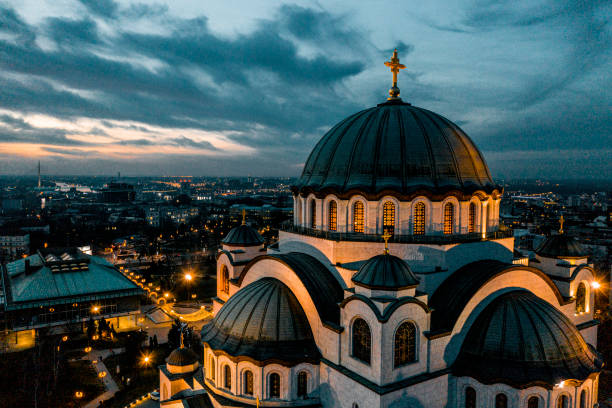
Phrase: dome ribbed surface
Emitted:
{"points": [[182, 357], [263, 321], [385, 272], [521, 340], [395, 147], [243, 235], [561, 246]]}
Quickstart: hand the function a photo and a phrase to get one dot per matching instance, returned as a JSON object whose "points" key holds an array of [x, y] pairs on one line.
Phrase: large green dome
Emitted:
{"points": [[395, 148]]}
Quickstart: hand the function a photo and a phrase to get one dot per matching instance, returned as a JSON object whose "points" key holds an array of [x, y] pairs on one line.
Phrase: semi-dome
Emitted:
{"points": [[182, 356], [521, 340], [561, 246], [395, 148], [243, 235], [385, 272], [263, 321]]}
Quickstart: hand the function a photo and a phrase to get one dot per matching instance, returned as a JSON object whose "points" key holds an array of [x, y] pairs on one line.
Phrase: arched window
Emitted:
{"points": [[405, 344], [581, 298], [274, 386], [501, 401], [470, 397], [449, 218], [472, 218], [302, 384], [247, 381], [213, 368], [313, 214], [362, 340], [227, 377], [224, 279], [358, 223], [533, 402], [333, 216], [583, 399], [419, 219], [388, 217], [563, 401]]}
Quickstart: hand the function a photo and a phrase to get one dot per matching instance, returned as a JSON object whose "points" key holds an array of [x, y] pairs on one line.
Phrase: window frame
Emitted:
{"points": [[363, 355], [413, 346]]}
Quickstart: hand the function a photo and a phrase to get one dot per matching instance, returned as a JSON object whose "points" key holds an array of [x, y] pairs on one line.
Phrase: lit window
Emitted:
{"points": [[419, 219], [388, 217], [225, 279], [405, 344], [449, 218], [581, 298], [302, 383], [227, 377], [358, 217], [213, 368], [472, 218], [248, 382], [274, 386], [333, 216], [313, 214], [362, 341]]}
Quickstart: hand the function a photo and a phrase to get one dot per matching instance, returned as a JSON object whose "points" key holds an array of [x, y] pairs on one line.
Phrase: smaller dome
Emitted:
{"points": [[385, 272], [182, 356], [243, 235], [521, 340], [561, 246]]}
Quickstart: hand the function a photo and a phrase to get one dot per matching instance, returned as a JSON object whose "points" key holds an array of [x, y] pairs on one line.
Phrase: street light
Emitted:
{"points": [[595, 285], [189, 278]]}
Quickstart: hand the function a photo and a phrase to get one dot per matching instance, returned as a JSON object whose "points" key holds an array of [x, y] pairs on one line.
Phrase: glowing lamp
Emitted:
{"points": [[78, 394], [595, 285]]}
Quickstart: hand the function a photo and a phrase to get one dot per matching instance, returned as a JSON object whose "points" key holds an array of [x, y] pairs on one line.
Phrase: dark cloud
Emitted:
{"points": [[72, 32], [102, 8]]}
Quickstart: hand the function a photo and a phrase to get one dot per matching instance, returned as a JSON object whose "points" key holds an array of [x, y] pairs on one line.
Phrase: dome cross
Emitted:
{"points": [[561, 221], [395, 66], [386, 237], [243, 216]]}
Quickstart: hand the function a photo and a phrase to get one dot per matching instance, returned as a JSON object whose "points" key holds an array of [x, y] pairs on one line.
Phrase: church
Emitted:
{"points": [[394, 286]]}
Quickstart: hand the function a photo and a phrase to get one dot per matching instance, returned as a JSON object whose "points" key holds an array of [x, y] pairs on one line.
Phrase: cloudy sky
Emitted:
{"points": [[187, 87]]}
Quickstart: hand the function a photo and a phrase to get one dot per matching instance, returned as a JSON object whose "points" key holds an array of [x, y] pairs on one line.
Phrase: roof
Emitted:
{"points": [[395, 148], [243, 235], [59, 276], [561, 246], [263, 321], [451, 297], [385, 272], [182, 356], [322, 286], [521, 340]]}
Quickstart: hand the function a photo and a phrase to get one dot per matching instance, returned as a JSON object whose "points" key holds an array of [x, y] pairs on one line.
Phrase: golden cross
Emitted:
{"points": [[386, 237], [182, 343], [561, 221], [395, 66], [243, 216]]}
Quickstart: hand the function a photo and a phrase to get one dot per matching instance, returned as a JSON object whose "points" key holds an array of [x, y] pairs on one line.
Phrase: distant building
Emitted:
{"points": [[155, 216], [63, 287], [13, 243], [118, 193]]}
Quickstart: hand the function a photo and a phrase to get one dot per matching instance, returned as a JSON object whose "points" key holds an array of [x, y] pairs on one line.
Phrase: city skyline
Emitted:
{"points": [[96, 87]]}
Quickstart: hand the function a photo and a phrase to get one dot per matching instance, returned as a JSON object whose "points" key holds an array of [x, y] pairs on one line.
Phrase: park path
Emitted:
{"points": [[110, 384]]}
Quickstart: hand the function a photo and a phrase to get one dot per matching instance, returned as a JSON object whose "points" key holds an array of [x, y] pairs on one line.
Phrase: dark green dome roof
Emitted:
{"points": [[263, 321], [243, 235], [385, 272], [182, 356], [561, 246], [395, 148], [521, 340]]}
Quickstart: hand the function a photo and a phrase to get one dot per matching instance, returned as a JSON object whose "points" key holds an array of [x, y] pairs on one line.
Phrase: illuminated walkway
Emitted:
{"points": [[96, 357]]}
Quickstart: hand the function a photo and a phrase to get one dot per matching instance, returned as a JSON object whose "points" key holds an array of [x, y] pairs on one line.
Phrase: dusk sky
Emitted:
{"points": [[226, 88]]}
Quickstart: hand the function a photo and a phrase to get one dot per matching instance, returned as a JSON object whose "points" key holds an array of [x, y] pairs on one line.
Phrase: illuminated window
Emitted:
{"points": [[313, 214], [501, 401], [362, 341], [470, 397], [563, 401], [581, 298], [224, 279], [248, 382], [472, 218], [358, 216], [227, 377], [533, 402], [274, 386], [213, 368], [333, 216], [388, 217], [419, 219], [302, 384], [405, 344], [449, 218]]}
